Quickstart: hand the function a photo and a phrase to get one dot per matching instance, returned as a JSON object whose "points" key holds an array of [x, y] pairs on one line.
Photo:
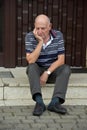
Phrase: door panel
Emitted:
{"points": [[1, 30], [8, 33]]}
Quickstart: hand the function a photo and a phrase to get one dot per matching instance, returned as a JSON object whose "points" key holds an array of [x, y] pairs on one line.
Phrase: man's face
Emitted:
{"points": [[43, 29]]}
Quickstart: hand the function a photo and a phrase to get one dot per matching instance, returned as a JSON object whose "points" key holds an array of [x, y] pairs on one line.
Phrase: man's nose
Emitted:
{"points": [[40, 31]]}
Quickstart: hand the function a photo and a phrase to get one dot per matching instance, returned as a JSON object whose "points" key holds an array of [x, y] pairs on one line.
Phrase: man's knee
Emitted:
{"points": [[66, 69], [31, 67]]}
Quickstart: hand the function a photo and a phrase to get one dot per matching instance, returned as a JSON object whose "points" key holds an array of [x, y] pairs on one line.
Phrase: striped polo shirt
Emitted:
{"points": [[50, 53]]}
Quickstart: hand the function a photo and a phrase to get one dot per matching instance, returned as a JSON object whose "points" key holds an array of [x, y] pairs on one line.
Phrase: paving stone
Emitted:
{"points": [[49, 129], [53, 125], [83, 116], [68, 125], [23, 126], [51, 117], [24, 121], [12, 121], [38, 125], [6, 126], [44, 120], [70, 117]]}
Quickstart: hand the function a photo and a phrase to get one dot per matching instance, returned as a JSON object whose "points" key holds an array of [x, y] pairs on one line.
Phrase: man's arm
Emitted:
{"points": [[32, 57], [60, 61]]}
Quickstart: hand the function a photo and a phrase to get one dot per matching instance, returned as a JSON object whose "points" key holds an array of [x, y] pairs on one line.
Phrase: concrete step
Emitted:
{"points": [[17, 89]]}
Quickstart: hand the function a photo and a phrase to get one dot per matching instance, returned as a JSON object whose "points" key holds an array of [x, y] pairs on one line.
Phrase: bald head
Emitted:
{"points": [[42, 18]]}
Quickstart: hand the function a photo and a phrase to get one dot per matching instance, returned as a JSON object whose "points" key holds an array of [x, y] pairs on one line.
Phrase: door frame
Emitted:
{"points": [[8, 56]]}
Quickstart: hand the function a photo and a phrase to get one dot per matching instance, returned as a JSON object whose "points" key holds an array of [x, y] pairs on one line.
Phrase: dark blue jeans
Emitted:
{"points": [[59, 77]]}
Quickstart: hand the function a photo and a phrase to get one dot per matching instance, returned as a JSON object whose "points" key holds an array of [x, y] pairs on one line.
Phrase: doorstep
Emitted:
{"points": [[16, 89]]}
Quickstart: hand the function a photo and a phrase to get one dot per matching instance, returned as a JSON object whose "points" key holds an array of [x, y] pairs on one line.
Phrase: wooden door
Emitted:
{"points": [[1, 31], [8, 33]]}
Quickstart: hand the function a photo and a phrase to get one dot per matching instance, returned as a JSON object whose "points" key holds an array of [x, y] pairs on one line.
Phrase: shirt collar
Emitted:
{"points": [[48, 43]]}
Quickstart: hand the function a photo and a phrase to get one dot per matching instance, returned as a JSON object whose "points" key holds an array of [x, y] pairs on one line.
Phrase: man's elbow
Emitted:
{"points": [[30, 61]]}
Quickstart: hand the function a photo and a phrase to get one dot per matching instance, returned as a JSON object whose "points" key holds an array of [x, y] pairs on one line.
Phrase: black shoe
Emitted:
{"points": [[57, 108], [39, 109]]}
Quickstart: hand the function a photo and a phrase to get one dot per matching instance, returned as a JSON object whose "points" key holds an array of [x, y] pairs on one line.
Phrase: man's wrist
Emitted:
{"points": [[48, 72]]}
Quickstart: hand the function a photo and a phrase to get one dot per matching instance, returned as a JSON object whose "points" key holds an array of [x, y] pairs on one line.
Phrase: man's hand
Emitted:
{"points": [[43, 78], [37, 36]]}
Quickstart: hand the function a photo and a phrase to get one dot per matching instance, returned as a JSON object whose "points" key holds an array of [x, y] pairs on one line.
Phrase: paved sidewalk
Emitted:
{"points": [[20, 118]]}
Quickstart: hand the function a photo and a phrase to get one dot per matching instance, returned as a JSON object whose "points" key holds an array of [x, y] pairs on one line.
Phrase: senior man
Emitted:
{"points": [[45, 54]]}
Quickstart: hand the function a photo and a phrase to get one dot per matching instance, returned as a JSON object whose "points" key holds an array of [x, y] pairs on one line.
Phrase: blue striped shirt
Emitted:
{"points": [[51, 52]]}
